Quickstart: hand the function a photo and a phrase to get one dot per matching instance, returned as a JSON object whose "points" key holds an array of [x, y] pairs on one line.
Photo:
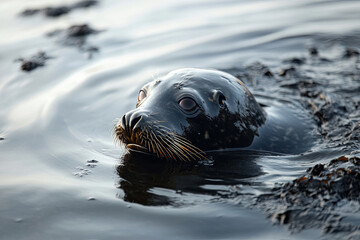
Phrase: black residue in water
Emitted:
{"points": [[328, 87], [315, 199], [59, 10], [313, 51], [351, 53], [35, 61], [91, 163], [76, 36], [79, 30]]}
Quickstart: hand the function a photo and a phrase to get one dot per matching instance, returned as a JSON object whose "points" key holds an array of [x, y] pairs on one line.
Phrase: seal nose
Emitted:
{"points": [[132, 120]]}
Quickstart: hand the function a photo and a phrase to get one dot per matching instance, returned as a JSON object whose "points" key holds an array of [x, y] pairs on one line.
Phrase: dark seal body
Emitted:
{"points": [[190, 111]]}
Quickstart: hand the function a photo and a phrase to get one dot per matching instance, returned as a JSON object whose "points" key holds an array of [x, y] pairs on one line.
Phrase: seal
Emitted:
{"points": [[192, 111]]}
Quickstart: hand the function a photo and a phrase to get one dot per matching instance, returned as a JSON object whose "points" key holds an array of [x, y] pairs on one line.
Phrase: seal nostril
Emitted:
{"points": [[134, 120], [123, 122], [130, 122], [122, 125]]}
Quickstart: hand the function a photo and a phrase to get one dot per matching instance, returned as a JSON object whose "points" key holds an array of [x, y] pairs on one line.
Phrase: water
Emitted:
{"points": [[58, 117]]}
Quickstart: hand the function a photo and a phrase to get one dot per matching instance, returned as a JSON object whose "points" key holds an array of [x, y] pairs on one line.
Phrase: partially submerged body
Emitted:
{"points": [[191, 111]]}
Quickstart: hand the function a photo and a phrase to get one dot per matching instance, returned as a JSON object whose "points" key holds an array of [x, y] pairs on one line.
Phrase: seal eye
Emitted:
{"points": [[141, 96], [188, 104]]}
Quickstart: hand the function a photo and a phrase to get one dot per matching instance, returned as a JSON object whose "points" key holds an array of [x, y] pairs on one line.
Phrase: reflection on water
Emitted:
{"points": [[140, 173], [55, 119]]}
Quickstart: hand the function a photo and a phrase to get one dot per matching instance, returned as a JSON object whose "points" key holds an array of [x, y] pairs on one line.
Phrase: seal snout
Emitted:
{"points": [[130, 126], [140, 132], [134, 120]]}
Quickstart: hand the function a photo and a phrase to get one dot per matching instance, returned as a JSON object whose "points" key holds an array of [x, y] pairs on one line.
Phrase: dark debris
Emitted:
{"points": [[286, 71], [351, 53], [328, 89], [60, 10], [91, 163], [313, 51], [35, 61], [260, 69], [314, 200], [55, 11], [253, 74], [79, 30], [76, 36], [295, 60], [340, 179]]}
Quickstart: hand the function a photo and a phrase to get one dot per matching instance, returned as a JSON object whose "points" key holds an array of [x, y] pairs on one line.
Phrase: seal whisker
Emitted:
{"points": [[147, 144], [174, 147], [185, 142], [186, 152], [156, 142], [180, 152], [117, 136], [177, 153], [151, 140], [170, 144], [181, 145], [162, 148], [168, 148], [152, 145], [193, 150]]}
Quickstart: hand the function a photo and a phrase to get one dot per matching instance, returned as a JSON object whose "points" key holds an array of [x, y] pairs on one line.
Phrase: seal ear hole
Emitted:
{"points": [[222, 100], [219, 97]]}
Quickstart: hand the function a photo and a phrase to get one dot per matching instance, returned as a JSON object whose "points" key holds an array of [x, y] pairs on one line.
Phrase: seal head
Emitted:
{"points": [[190, 111]]}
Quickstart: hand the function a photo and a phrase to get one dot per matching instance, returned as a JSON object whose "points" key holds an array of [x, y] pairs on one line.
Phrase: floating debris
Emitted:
{"points": [[76, 36], [327, 195], [74, 32], [351, 53], [91, 163], [295, 60], [260, 69], [318, 198], [60, 10], [286, 71], [313, 51], [339, 179], [38, 60], [79, 30]]}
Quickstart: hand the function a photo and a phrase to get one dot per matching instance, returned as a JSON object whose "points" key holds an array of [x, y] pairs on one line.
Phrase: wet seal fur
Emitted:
{"points": [[191, 111]]}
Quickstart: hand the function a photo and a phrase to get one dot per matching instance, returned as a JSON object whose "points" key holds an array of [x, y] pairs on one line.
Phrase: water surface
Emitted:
{"points": [[57, 118]]}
